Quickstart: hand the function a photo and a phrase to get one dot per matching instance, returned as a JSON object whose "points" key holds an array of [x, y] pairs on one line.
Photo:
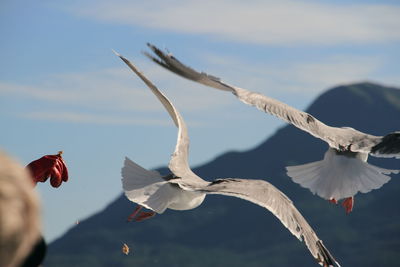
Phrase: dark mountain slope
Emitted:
{"points": [[226, 231]]}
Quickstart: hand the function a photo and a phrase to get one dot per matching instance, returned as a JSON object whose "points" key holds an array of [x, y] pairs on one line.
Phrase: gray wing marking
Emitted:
{"points": [[269, 197]]}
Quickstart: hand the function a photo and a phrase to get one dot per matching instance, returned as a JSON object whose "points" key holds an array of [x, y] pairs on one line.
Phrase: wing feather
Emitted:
{"points": [[178, 164], [339, 138], [267, 196], [256, 191], [283, 111]]}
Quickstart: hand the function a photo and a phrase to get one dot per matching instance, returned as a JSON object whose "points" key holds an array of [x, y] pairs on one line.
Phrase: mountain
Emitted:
{"points": [[226, 231]]}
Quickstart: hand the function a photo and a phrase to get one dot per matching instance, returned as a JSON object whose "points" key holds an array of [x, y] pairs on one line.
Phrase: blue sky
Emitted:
{"points": [[62, 88]]}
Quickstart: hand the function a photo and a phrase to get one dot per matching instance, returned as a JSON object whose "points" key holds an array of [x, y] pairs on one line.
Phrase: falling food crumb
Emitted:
{"points": [[125, 249]]}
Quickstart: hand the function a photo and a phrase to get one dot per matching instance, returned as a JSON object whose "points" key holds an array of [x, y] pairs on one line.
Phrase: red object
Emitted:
{"points": [[144, 215], [134, 213], [334, 201], [49, 166], [348, 204], [139, 215]]}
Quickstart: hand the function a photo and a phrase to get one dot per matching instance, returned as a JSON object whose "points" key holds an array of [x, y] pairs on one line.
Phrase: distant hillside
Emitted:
{"points": [[226, 231]]}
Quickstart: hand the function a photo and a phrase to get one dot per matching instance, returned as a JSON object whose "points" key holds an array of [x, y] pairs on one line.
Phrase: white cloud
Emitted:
{"points": [[335, 71], [104, 89], [112, 89], [264, 22], [307, 77], [76, 117], [82, 96]]}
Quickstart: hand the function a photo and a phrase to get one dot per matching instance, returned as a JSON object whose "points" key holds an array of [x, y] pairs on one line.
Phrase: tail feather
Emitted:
{"points": [[339, 176], [147, 188]]}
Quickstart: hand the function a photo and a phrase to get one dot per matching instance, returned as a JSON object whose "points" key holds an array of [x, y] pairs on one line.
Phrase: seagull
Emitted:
{"points": [[344, 170], [184, 190]]}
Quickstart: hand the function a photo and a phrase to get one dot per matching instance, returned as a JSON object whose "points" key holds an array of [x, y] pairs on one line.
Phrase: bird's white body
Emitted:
{"points": [[151, 190], [339, 175]]}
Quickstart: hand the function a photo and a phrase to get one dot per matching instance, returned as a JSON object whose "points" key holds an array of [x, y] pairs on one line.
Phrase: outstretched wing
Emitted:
{"points": [[179, 160], [267, 196], [339, 138], [388, 146]]}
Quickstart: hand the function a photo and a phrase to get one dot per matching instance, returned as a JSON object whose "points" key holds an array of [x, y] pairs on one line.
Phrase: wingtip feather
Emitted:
{"points": [[116, 53], [327, 259]]}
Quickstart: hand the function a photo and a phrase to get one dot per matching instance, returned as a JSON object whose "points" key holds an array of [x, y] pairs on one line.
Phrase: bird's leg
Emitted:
{"points": [[139, 215], [144, 215], [334, 201], [134, 213], [348, 204]]}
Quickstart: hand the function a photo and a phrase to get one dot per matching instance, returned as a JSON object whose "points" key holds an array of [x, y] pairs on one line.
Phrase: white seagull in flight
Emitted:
{"points": [[343, 172], [184, 190]]}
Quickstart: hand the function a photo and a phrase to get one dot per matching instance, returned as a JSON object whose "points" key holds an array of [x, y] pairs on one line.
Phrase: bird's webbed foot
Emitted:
{"points": [[348, 203], [139, 215]]}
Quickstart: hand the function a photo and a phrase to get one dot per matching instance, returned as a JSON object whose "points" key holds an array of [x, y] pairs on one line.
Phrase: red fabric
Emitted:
{"points": [[49, 166]]}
